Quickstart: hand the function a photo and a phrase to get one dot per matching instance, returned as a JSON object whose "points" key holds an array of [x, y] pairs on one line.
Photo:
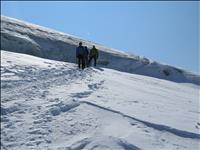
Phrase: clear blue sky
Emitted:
{"points": [[166, 32]]}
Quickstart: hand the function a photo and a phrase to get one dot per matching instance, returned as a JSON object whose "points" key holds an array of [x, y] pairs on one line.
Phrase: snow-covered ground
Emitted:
{"points": [[47, 104], [23, 37]]}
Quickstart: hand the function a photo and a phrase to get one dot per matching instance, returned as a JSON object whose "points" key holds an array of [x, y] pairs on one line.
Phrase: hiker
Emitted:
{"points": [[80, 56], [94, 54], [86, 56]]}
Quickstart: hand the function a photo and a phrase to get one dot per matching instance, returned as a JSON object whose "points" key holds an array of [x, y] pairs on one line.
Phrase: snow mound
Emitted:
{"points": [[56, 109], [22, 37]]}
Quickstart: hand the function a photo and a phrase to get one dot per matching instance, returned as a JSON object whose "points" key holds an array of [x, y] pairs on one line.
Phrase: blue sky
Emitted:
{"points": [[166, 32]]}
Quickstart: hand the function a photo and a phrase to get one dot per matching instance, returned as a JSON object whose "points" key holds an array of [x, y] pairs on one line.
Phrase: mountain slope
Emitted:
{"points": [[48, 104], [23, 37]]}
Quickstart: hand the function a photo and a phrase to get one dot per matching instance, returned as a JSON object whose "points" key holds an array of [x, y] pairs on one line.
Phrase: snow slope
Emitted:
{"points": [[47, 104], [23, 37]]}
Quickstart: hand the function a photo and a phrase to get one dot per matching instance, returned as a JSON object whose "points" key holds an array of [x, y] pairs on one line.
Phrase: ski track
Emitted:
{"points": [[37, 86], [159, 127]]}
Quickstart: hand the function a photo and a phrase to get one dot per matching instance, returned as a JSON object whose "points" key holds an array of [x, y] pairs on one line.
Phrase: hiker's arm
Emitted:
{"points": [[76, 52]]}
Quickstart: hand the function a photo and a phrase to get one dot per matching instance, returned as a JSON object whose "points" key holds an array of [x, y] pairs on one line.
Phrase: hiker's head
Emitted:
{"points": [[93, 46], [80, 43]]}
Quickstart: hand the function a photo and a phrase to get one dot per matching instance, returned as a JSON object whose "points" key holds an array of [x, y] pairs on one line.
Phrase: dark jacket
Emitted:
{"points": [[80, 51], [86, 52]]}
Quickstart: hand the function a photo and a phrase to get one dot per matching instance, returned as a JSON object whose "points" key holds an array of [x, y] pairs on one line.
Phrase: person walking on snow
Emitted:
{"points": [[94, 54], [86, 56], [80, 50]]}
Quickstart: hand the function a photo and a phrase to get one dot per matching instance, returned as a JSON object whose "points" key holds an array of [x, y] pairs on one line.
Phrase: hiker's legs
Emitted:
{"points": [[95, 61], [90, 61], [79, 62], [86, 62], [83, 63]]}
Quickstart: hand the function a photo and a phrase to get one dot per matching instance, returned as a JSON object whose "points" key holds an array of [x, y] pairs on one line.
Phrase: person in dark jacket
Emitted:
{"points": [[94, 54], [86, 56], [80, 50]]}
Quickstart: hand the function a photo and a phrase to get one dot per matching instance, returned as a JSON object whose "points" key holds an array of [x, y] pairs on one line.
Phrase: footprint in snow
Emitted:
{"points": [[96, 86], [47, 62], [82, 94], [146, 131], [44, 94], [163, 140]]}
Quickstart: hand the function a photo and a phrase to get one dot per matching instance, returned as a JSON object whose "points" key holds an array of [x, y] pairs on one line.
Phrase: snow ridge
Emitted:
{"points": [[23, 37]]}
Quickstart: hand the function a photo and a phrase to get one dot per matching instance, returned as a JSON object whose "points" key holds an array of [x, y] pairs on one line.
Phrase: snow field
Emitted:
{"points": [[49, 104]]}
